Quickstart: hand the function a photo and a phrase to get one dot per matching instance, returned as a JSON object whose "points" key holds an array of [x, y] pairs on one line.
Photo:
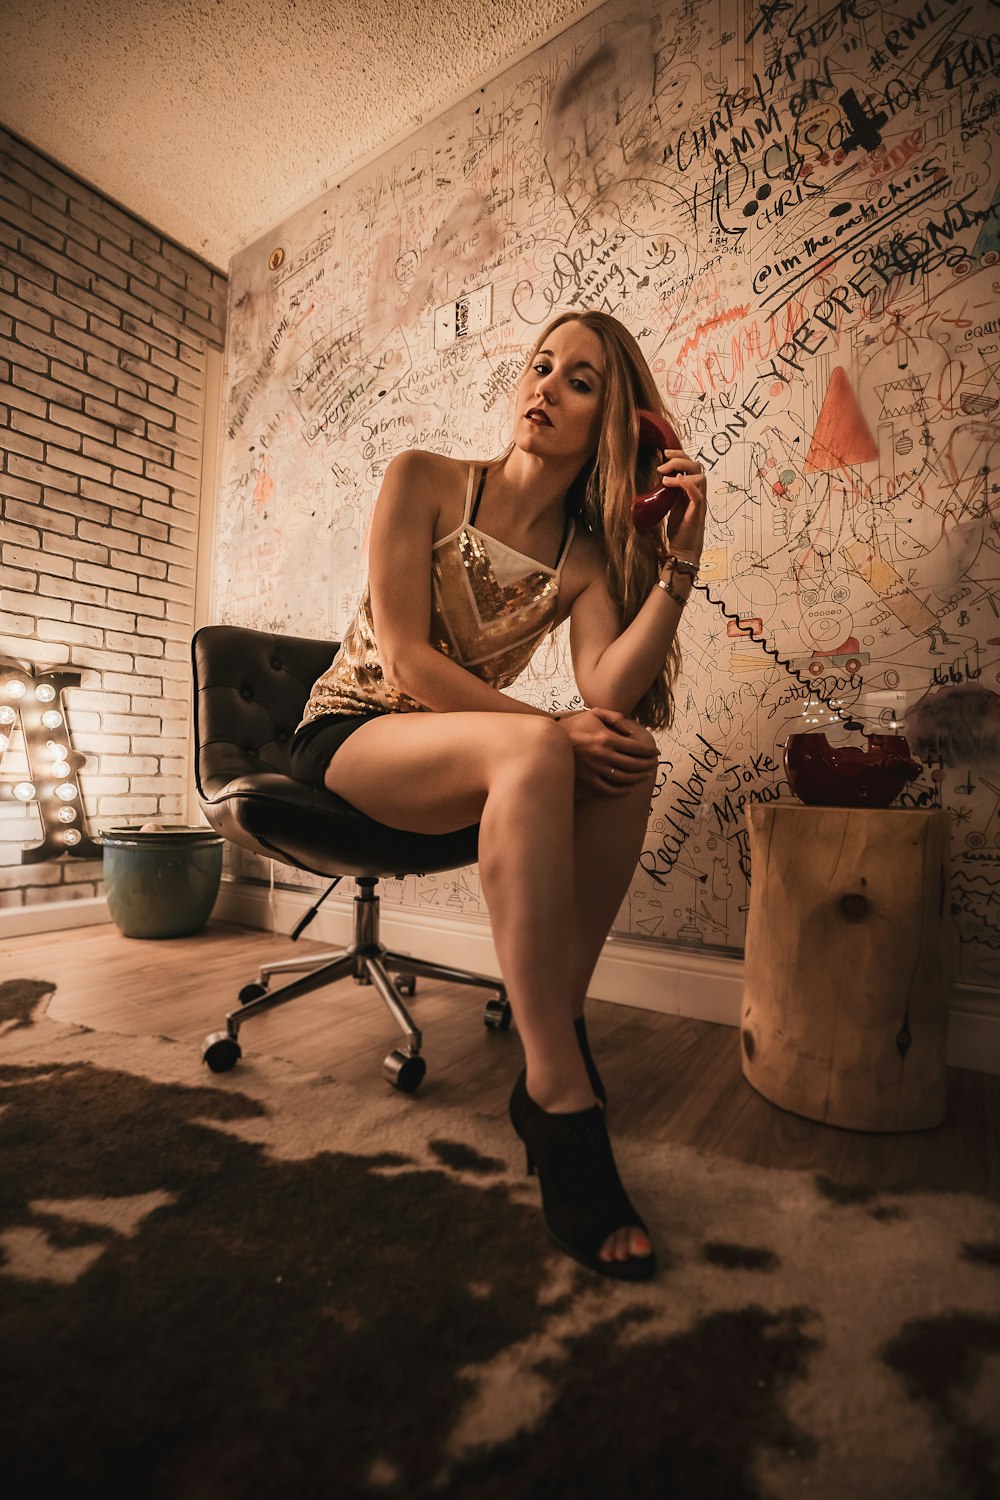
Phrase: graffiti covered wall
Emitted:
{"points": [[795, 208]]}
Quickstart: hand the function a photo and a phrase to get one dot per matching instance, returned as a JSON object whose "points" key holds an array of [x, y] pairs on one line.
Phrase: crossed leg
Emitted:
{"points": [[608, 835], [553, 870]]}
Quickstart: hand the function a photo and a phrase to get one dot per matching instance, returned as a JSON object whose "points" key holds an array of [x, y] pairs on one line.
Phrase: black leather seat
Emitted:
{"points": [[251, 688]]}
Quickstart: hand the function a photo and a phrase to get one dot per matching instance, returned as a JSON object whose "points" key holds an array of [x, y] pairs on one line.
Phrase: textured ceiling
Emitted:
{"points": [[215, 119]]}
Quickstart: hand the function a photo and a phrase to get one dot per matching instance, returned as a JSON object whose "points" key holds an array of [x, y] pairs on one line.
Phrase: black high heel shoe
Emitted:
{"points": [[583, 1199], [596, 1083]]}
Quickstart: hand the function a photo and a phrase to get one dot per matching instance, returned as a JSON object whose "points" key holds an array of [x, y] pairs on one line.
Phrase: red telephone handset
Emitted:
{"points": [[649, 509]]}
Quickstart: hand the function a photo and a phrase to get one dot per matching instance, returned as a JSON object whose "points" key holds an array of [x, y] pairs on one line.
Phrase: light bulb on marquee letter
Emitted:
{"points": [[52, 782]]}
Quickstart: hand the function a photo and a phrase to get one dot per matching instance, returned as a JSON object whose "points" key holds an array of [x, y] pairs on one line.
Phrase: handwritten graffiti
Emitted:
{"points": [[801, 224]]}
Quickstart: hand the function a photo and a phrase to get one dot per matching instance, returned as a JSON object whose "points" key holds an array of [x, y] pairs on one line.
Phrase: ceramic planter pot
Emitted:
{"points": [[161, 884]]}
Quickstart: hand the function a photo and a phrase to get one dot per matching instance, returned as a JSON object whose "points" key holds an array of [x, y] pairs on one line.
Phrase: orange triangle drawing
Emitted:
{"points": [[842, 436]]}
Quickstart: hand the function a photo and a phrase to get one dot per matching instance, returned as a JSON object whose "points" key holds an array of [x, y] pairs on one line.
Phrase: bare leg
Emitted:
{"points": [[514, 774], [434, 772], [608, 839]]}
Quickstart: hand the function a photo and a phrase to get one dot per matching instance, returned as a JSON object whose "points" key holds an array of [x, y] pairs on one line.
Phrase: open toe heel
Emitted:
{"points": [[596, 1082], [583, 1199]]}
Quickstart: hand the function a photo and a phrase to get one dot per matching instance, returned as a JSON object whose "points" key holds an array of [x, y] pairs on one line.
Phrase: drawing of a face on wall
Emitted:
{"points": [[682, 90]]}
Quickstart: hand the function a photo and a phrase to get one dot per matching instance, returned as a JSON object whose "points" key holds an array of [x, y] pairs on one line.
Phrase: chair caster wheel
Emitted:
{"points": [[406, 984], [497, 1014], [404, 1071], [252, 992], [221, 1052]]}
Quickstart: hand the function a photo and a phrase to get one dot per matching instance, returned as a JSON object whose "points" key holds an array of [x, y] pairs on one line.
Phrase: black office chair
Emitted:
{"points": [[250, 691]]}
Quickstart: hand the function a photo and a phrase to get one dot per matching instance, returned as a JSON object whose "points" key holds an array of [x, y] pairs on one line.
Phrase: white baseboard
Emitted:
{"points": [[53, 916], [702, 986]]}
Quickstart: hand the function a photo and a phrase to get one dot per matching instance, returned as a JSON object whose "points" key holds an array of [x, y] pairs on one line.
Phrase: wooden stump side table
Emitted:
{"points": [[845, 1002]]}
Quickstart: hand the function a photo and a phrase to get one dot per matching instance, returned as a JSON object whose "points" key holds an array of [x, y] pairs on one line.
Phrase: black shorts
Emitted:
{"points": [[314, 744]]}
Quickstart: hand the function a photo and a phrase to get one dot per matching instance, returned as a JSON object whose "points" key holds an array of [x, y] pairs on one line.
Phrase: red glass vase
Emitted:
{"points": [[824, 775]]}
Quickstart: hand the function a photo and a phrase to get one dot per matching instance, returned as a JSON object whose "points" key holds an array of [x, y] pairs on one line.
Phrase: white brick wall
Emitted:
{"points": [[104, 326]]}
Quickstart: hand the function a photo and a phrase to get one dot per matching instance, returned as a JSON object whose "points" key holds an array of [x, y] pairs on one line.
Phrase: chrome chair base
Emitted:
{"points": [[367, 961]]}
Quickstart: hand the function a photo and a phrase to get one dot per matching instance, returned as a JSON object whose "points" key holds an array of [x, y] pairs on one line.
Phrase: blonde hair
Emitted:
{"points": [[601, 495]]}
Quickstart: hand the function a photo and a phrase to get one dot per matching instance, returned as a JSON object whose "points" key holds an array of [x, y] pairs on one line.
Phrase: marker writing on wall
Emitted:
{"points": [[867, 128]]}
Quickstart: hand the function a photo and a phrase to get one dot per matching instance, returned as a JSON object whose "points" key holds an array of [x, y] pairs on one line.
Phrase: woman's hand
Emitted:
{"points": [[686, 520], [612, 752]]}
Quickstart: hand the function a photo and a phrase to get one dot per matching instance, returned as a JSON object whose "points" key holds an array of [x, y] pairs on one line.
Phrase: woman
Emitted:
{"points": [[469, 567]]}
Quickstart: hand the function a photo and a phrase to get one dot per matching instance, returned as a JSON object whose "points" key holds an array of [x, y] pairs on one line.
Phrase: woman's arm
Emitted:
{"points": [[615, 667], [399, 576]]}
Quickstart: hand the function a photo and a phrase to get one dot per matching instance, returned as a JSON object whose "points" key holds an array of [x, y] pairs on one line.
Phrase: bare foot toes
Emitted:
{"points": [[626, 1244]]}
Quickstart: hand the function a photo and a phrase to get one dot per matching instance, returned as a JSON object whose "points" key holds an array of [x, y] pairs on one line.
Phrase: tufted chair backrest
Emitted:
{"points": [[252, 688]]}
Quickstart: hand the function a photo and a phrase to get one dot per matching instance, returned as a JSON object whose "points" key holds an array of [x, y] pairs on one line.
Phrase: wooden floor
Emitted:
{"points": [[668, 1079]]}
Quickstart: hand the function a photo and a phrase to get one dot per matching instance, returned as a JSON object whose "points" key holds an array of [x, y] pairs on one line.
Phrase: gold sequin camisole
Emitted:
{"points": [[490, 607]]}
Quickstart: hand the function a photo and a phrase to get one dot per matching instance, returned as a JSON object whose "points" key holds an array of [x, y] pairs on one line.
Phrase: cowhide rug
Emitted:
{"points": [[270, 1284]]}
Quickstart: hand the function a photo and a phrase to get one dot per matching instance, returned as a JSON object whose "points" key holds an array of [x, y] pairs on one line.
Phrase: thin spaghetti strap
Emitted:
{"points": [[569, 531], [468, 495], [471, 521]]}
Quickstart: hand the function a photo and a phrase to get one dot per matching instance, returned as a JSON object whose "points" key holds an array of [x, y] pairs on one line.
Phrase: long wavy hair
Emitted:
{"points": [[601, 494]]}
